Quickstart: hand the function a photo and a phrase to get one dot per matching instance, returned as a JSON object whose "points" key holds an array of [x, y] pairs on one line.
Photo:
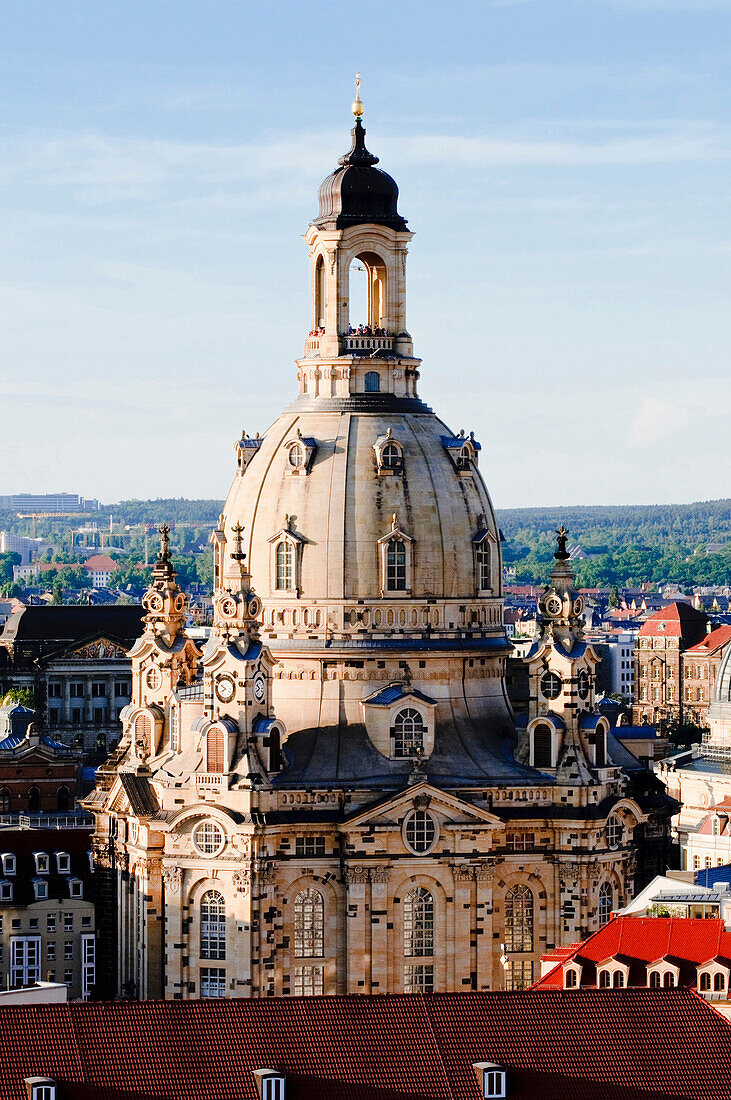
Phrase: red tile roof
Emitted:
{"points": [[718, 638], [677, 620], [100, 563], [644, 940], [560, 1046]]}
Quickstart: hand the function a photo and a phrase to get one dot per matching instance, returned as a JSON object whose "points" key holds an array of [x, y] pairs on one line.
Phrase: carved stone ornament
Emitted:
{"points": [[569, 871], [267, 873], [149, 865], [484, 872], [462, 872], [421, 802], [242, 881], [379, 874], [480, 872], [102, 855], [356, 876], [172, 878]]}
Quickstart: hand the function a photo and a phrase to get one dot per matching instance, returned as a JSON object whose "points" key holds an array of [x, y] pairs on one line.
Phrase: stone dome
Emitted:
{"points": [[358, 193]]}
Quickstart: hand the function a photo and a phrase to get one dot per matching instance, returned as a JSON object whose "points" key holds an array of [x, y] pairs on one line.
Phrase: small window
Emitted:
{"points": [[76, 888], [63, 862], [40, 887], [420, 832], [484, 565], [372, 381], [618, 980], [272, 1088], [495, 1082], [669, 980], [391, 457], [309, 981], [309, 846], [297, 456], [464, 458], [213, 982], [407, 733], [41, 859], [45, 1091], [542, 746], [705, 982], [284, 556], [51, 952], [719, 983], [582, 684], [614, 831], [571, 979], [551, 685], [51, 922], [68, 950], [605, 979], [6, 890], [68, 922], [396, 566], [208, 838], [9, 863]]}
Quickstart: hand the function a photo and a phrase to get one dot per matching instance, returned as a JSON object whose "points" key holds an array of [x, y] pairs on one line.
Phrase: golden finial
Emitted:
{"points": [[357, 107]]}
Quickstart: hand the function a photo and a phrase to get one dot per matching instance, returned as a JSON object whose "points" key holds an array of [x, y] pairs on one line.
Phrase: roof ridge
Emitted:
{"points": [[432, 1032]]}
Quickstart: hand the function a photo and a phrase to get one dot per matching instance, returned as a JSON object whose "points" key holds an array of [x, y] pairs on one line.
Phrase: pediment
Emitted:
{"points": [[455, 809], [100, 647], [118, 801]]}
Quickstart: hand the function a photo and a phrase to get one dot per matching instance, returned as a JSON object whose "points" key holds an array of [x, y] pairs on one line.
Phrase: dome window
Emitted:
{"points": [[551, 685], [246, 448], [582, 684], [420, 832], [485, 556], [462, 450], [285, 562], [372, 383], [389, 455], [396, 561], [300, 454], [542, 746]]}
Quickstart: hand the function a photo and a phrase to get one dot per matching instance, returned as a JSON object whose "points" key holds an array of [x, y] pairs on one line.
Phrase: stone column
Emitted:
{"points": [[174, 944], [484, 955], [461, 956], [379, 916], [356, 938]]}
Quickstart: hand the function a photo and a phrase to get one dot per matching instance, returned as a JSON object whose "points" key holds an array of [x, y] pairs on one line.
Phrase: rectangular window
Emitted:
{"points": [[50, 951], [68, 922], [98, 689], [41, 889], [519, 974], [51, 922], [6, 891], [521, 842], [76, 888], [54, 716], [396, 566], [68, 949], [55, 690], [309, 981], [63, 862], [76, 716], [41, 859], [25, 960], [76, 689], [8, 863], [419, 978], [213, 982], [88, 965], [122, 689], [310, 846], [68, 977]]}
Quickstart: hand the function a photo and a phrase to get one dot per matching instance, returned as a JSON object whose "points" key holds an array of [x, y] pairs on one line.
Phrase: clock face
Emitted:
{"points": [[553, 605], [154, 601], [259, 689], [225, 689], [228, 607]]}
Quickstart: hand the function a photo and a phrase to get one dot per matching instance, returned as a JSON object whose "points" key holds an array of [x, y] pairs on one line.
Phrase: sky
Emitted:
{"points": [[564, 165]]}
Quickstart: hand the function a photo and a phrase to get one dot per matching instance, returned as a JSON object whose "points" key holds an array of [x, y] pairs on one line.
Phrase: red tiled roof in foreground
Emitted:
{"points": [[614, 1044], [645, 940]]}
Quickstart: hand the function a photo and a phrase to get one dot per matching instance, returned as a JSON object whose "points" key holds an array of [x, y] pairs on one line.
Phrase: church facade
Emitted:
{"points": [[333, 795]]}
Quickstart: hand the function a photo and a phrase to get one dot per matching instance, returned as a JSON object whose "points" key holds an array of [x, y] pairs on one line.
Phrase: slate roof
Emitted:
{"points": [[613, 1044], [140, 793], [630, 733], [393, 692], [24, 842], [645, 940], [708, 876], [70, 623]]}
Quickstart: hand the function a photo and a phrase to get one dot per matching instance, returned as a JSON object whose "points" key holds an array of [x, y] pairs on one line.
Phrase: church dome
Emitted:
{"points": [[358, 193]]}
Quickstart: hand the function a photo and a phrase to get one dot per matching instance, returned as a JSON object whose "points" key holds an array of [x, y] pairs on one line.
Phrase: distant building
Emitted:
{"points": [[100, 567], [29, 549], [616, 673], [47, 502], [75, 660], [700, 667], [661, 642], [47, 927], [37, 774]]}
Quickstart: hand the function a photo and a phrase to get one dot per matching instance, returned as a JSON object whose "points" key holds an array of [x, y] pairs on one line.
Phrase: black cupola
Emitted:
{"points": [[358, 193]]}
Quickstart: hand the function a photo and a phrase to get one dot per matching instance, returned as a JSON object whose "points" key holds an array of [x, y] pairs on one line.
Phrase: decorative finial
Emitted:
{"points": [[394, 521], [562, 553], [237, 554], [357, 107], [164, 542]]}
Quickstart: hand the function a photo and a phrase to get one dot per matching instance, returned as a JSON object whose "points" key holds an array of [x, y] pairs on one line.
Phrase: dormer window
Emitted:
{"points": [[494, 1080], [269, 1084], [614, 831], [286, 549], [76, 888], [389, 455], [9, 863], [407, 733], [543, 745], [300, 453], [463, 451], [40, 1088], [296, 457], [40, 888], [396, 561], [372, 382], [41, 859], [6, 890], [484, 560], [63, 863]]}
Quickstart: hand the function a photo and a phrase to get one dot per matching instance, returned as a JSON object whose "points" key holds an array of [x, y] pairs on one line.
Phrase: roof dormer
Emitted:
{"points": [[493, 1079], [270, 1084]]}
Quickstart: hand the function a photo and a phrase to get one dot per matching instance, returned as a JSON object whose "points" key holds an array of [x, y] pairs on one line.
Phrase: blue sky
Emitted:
{"points": [[563, 163]]}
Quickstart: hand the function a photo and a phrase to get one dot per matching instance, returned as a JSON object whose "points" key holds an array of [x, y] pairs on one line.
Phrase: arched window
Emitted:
{"points": [[705, 982], [571, 979], [719, 983], [407, 733], [396, 566], [391, 457], [63, 800], [297, 456], [215, 749], [655, 979], [464, 458], [143, 734], [614, 831], [284, 565], [4, 800], [372, 381], [605, 979], [213, 925], [668, 980], [484, 573], [519, 918], [34, 801], [606, 902], [618, 980], [542, 746], [418, 941], [320, 293], [309, 924]]}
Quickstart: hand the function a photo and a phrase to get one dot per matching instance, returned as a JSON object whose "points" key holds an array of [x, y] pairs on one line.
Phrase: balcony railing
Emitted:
{"points": [[364, 345], [46, 821], [209, 780]]}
